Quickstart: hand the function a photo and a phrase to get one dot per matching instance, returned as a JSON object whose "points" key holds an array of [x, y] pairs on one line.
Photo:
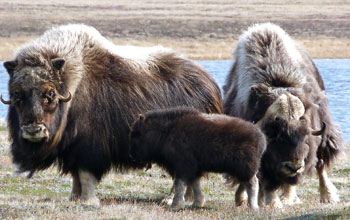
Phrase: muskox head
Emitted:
{"points": [[144, 139], [36, 92], [281, 113]]}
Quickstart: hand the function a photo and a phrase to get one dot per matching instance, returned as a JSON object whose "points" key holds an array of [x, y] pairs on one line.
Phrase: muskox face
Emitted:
{"points": [[286, 128], [286, 150], [143, 140], [34, 99]]}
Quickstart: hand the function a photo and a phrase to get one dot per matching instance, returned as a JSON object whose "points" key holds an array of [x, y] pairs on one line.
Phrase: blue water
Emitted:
{"points": [[335, 73]]}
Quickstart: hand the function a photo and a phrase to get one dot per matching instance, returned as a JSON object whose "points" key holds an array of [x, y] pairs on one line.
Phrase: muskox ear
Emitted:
{"points": [[10, 66], [58, 63], [260, 89]]}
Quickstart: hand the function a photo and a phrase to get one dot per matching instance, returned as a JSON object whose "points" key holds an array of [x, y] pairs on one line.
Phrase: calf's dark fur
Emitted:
{"points": [[188, 143]]}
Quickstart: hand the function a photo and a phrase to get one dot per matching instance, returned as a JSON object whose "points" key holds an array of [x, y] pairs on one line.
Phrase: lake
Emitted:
{"points": [[335, 73]]}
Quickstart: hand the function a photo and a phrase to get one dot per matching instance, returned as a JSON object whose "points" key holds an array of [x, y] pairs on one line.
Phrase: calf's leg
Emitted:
{"points": [[178, 201], [290, 196], [241, 195], [169, 198], [252, 191], [328, 192], [261, 195], [198, 194], [270, 196]]}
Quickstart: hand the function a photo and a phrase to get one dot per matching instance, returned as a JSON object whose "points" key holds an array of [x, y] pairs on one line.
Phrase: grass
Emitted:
{"points": [[137, 195]]}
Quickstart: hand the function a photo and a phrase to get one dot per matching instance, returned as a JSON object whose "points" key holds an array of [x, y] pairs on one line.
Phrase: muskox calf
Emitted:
{"points": [[188, 143]]}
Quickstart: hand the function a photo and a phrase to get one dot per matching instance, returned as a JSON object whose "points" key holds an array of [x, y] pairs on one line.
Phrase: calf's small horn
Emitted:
{"points": [[320, 132], [5, 102], [63, 99]]}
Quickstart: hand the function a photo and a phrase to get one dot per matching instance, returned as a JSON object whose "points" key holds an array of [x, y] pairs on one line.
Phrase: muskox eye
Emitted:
{"points": [[17, 96], [51, 93]]}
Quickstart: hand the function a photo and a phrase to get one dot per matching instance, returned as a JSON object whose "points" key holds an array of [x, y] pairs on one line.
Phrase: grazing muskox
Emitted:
{"points": [[187, 143], [74, 96], [274, 83]]}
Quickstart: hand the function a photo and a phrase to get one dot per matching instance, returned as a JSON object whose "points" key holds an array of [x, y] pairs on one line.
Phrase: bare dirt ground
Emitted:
{"points": [[201, 29]]}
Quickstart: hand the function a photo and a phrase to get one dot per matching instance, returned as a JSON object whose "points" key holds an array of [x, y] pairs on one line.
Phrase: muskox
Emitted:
{"points": [[74, 96], [188, 143], [275, 84]]}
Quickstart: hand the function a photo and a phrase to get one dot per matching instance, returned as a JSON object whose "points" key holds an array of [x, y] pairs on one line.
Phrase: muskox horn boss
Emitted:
{"points": [[5, 102], [63, 99], [320, 132]]}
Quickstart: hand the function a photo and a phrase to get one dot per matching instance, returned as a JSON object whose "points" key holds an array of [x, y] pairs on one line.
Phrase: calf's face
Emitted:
{"points": [[143, 140], [286, 150], [286, 128]]}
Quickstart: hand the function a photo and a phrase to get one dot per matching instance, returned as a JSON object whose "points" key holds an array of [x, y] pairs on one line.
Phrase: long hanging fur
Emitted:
{"points": [[110, 85], [266, 54]]}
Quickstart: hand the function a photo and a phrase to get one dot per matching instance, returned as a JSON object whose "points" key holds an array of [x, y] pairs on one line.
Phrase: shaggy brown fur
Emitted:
{"points": [[108, 85], [269, 65], [187, 143]]}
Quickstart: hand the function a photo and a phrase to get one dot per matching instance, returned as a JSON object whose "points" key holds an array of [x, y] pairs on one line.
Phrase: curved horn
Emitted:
{"points": [[5, 102], [63, 99], [320, 132]]}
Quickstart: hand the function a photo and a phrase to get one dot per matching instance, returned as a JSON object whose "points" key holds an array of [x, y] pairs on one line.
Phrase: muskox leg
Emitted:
{"points": [[241, 195], [76, 188], [328, 192], [189, 196], [252, 191], [198, 194], [169, 198], [178, 201], [261, 195], [271, 197], [290, 196], [88, 183]]}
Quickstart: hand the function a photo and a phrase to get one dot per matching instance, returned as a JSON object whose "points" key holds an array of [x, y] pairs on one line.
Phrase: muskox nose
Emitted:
{"points": [[34, 132], [292, 168]]}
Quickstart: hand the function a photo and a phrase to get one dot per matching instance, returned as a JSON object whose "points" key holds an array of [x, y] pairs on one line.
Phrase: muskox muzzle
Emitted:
{"points": [[34, 132], [292, 168]]}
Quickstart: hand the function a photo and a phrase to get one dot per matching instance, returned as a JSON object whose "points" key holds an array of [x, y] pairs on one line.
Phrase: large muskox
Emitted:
{"points": [[187, 143], [74, 96], [274, 83]]}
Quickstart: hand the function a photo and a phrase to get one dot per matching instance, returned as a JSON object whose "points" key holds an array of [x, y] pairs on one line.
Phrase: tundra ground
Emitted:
{"points": [[138, 195]]}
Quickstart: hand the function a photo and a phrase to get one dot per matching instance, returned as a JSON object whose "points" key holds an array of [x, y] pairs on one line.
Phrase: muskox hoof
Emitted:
{"points": [[73, 197], [198, 203], [291, 200], [93, 201], [276, 204], [254, 207], [290, 196], [178, 206], [329, 197], [167, 200]]}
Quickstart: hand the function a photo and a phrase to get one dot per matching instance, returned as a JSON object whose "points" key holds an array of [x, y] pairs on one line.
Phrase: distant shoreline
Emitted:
{"points": [[202, 49]]}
